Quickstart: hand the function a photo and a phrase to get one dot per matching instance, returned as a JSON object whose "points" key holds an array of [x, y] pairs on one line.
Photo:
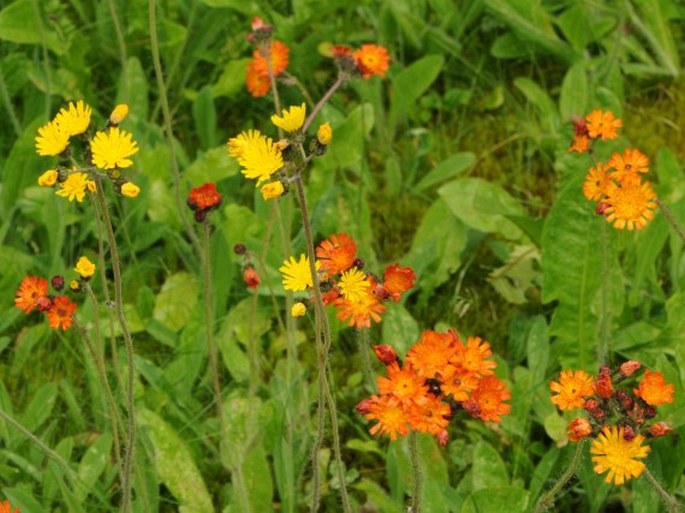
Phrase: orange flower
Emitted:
{"points": [[360, 312], [372, 60], [390, 415], [61, 312], [257, 83], [6, 507], [397, 280], [578, 429], [602, 124], [487, 400], [660, 429], [431, 355], [596, 182], [403, 383], [654, 390], [604, 388], [429, 415], [385, 353], [631, 204], [280, 56], [204, 197], [251, 277], [628, 164], [472, 357], [571, 389], [336, 254], [32, 290], [580, 144], [458, 382]]}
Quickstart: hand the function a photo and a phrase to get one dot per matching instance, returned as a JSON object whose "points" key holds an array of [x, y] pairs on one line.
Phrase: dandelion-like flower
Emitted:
{"points": [[603, 124], [292, 119], [336, 254], [360, 313], [631, 162], [596, 182], [580, 143], [372, 60], [74, 120], [397, 280], [631, 204], [257, 79], [487, 400], [112, 149], [51, 140], [473, 357], [257, 154], [85, 268], [430, 356], [429, 414], [74, 187], [403, 383], [61, 313], [388, 411], [31, 290], [654, 390], [354, 285], [297, 275], [613, 453], [572, 389], [204, 197], [257, 83]]}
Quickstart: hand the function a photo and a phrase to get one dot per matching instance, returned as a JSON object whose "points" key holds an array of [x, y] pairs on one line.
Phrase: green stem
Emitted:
{"points": [[324, 99], [122, 48], [671, 219], [547, 500], [670, 502], [128, 342], [363, 339], [209, 330], [605, 321], [417, 472], [266, 52]]}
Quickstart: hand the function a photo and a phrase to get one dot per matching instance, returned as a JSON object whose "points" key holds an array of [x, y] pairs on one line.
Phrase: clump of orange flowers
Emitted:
{"points": [[257, 79], [440, 377], [617, 185], [369, 60], [6, 507], [33, 294], [618, 414]]}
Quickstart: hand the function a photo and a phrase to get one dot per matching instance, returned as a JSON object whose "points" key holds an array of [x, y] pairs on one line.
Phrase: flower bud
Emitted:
{"points": [[272, 190], [578, 429], [591, 405], [324, 134], [239, 249], [48, 179], [628, 368], [603, 386], [659, 429], [365, 405], [75, 286], [57, 282], [118, 114], [298, 309], [385, 353], [628, 433], [43, 303], [130, 190], [251, 278]]}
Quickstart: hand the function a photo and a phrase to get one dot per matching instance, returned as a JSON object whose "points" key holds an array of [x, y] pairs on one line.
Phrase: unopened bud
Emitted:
{"points": [[578, 429], [239, 249], [385, 353], [57, 282], [118, 114], [659, 429], [628, 368], [628, 433]]}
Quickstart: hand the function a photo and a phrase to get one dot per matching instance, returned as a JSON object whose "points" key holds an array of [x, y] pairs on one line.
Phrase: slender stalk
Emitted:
{"points": [[266, 52], [128, 342], [363, 340], [322, 327], [605, 321], [670, 502], [161, 88], [417, 472], [209, 329], [671, 219], [324, 99], [547, 500], [122, 47]]}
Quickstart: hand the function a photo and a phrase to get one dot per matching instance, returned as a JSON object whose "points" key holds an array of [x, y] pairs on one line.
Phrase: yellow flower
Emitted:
{"points": [[272, 190], [75, 286], [48, 178], [292, 120], [85, 267], [354, 285], [257, 153], [51, 140], [296, 274], [75, 120], [324, 134], [111, 149], [74, 187], [130, 190], [617, 455], [118, 114], [298, 309]]}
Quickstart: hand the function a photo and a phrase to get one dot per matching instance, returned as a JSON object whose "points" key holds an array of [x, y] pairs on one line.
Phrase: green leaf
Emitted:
{"points": [[232, 80], [400, 327], [212, 165], [411, 83], [176, 300], [204, 115], [652, 22], [518, 275], [541, 476], [133, 90], [257, 476], [249, 7], [448, 168], [573, 101], [94, 463], [175, 466], [20, 22], [488, 468], [40, 407], [347, 145], [496, 500], [537, 96], [22, 500], [538, 350]]}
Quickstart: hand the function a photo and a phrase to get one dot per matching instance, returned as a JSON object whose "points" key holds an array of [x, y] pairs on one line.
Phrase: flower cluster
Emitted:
{"points": [[440, 377], [617, 186], [202, 200], [367, 61], [269, 52], [617, 416], [108, 150], [356, 295]]}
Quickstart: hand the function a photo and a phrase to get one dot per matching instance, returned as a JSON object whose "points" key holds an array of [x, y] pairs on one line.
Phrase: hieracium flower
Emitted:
{"points": [[75, 186], [51, 140], [292, 118], [75, 119], [85, 268], [112, 148]]}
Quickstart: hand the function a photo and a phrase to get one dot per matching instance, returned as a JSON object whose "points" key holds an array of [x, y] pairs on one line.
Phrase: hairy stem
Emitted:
{"points": [[680, 230], [122, 47], [547, 500], [605, 321], [417, 473], [323, 101], [670, 502]]}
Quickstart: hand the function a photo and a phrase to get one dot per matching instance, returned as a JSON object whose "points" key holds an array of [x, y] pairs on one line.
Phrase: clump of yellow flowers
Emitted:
{"points": [[108, 150]]}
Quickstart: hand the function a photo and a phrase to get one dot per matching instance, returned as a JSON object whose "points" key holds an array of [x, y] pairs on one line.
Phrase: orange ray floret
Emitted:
{"points": [[390, 415], [572, 389], [397, 280], [403, 383], [596, 182], [280, 57], [611, 451], [631, 204], [32, 290], [487, 400], [458, 383], [372, 60], [653, 389], [431, 355], [429, 415], [632, 161], [603, 124], [580, 143], [337, 254], [61, 313]]}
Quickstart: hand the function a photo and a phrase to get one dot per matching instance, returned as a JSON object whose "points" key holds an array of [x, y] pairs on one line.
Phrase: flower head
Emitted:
{"points": [[580, 144], [204, 197], [403, 383], [251, 277], [372, 60], [572, 388], [596, 182], [430, 356], [51, 140], [298, 309], [602, 124], [487, 400], [256, 82], [74, 187], [84, 267], [385, 353], [6, 507], [336, 254], [360, 313], [112, 148], [257, 154], [257, 79], [324, 134], [297, 275], [61, 313], [49, 178], [429, 414], [130, 190], [653, 389], [632, 161], [612, 452], [292, 119], [272, 190], [631, 204], [119, 113], [74, 120], [354, 285], [473, 357], [31, 290], [397, 280], [578, 429], [388, 411]]}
